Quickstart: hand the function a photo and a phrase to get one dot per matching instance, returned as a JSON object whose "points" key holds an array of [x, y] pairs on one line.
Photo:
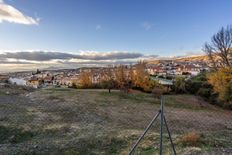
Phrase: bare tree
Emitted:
{"points": [[219, 50]]}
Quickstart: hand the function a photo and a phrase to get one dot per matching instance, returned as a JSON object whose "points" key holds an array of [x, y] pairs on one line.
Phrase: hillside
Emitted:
{"points": [[202, 58], [193, 58], [71, 121]]}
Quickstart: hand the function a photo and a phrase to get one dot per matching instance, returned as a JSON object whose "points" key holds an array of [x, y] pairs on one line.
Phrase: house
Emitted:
{"points": [[34, 82], [48, 80], [153, 70], [163, 81], [189, 68], [18, 81], [3, 78], [66, 81]]}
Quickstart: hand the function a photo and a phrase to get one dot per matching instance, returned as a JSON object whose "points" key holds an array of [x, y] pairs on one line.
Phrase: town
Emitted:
{"points": [[163, 71]]}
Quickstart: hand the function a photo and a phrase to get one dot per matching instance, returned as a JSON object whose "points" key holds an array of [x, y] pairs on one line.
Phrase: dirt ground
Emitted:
{"points": [[71, 121]]}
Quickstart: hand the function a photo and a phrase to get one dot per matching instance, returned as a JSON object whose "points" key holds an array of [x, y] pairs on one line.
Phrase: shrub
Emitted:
{"points": [[204, 92], [221, 81], [158, 90], [200, 77], [108, 84], [74, 85], [193, 86], [190, 139], [180, 85]]}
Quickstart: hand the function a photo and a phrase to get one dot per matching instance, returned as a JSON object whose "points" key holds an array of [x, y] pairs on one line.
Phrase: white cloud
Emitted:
{"points": [[10, 14], [147, 26]]}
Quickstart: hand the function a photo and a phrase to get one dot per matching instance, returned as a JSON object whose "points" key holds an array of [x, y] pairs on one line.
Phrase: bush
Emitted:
{"points": [[228, 93], [204, 92], [108, 84], [191, 139], [180, 84], [200, 77], [193, 86], [158, 91], [221, 81], [213, 98]]}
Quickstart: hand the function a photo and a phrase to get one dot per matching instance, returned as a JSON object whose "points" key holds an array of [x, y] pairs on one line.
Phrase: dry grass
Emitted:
{"points": [[190, 139], [70, 121]]}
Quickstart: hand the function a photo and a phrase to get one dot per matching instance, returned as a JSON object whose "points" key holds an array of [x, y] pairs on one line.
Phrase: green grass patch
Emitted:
{"points": [[148, 151], [219, 139], [56, 89], [138, 98], [173, 101], [2, 93], [14, 135], [92, 145]]}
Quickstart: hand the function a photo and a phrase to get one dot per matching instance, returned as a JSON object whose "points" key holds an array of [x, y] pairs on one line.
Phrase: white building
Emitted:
{"points": [[18, 81]]}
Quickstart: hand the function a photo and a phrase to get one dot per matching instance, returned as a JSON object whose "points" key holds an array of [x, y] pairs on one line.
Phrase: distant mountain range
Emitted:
{"points": [[192, 58]]}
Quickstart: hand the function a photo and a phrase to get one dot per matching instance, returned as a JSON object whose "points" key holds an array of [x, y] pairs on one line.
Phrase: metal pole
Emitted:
{"points": [[141, 137], [161, 125], [169, 134]]}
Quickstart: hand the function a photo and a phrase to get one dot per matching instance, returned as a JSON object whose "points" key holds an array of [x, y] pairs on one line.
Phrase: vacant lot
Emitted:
{"points": [[70, 121]]}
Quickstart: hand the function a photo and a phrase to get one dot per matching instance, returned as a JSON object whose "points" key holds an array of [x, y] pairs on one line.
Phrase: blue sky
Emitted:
{"points": [[150, 27]]}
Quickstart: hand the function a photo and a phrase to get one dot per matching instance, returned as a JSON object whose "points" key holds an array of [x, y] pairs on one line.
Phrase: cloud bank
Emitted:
{"points": [[47, 56], [10, 14], [30, 60]]}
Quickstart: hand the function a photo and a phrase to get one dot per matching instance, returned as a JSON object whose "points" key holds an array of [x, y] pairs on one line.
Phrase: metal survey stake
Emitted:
{"points": [[162, 122]]}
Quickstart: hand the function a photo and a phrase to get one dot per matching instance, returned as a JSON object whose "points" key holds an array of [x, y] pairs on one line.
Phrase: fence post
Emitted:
{"points": [[161, 125], [143, 134]]}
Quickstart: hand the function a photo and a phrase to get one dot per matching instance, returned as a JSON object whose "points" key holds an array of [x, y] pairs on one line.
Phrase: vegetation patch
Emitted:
{"points": [[138, 97], [2, 93], [184, 102], [82, 125], [191, 139], [54, 97], [93, 145], [14, 135], [148, 151]]}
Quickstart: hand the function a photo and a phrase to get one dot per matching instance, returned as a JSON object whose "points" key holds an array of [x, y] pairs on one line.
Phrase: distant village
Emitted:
{"points": [[163, 71]]}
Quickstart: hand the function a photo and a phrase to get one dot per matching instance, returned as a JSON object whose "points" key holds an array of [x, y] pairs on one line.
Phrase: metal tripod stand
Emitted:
{"points": [[162, 122]]}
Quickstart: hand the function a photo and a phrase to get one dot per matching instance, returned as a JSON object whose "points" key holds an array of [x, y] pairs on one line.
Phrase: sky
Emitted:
{"points": [[70, 33]]}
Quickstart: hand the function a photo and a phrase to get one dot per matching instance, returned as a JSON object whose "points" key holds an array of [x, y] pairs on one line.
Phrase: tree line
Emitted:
{"points": [[121, 77]]}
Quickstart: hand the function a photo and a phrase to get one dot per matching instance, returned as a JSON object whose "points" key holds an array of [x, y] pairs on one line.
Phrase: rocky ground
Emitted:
{"points": [[71, 121]]}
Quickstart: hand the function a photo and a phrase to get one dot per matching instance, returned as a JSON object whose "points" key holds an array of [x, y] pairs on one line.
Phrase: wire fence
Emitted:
{"points": [[197, 129]]}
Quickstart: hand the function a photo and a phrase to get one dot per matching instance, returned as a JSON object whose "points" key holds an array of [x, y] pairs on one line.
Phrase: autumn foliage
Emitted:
{"points": [[85, 79], [121, 77], [190, 139], [141, 79], [221, 81]]}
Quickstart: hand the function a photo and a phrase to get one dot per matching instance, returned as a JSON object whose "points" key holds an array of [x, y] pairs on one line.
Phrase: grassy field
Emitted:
{"points": [[70, 121]]}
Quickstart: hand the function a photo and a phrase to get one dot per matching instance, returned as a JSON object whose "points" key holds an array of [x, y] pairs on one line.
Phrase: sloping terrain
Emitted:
{"points": [[71, 121], [194, 58]]}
